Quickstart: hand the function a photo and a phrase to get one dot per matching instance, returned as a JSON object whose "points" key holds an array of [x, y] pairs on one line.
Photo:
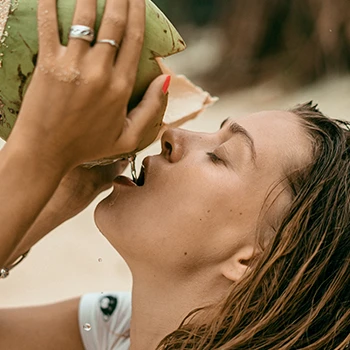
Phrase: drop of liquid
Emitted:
{"points": [[99, 259], [87, 327], [132, 161]]}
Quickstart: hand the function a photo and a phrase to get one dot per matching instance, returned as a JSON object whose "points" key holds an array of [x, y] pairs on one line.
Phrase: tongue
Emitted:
{"points": [[123, 180]]}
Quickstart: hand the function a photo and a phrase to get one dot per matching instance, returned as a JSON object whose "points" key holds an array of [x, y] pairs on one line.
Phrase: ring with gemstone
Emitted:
{"points": [[82, 32]]}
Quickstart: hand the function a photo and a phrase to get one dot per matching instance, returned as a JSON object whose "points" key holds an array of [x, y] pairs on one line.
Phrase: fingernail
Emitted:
{"points": [[166, 84]]}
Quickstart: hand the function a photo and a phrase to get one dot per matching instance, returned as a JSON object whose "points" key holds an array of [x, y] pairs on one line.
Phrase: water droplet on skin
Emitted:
{"points": [[111, 203], [87, 327]]}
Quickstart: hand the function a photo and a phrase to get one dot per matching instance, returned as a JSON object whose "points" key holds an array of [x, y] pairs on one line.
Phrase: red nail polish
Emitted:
{"points": [[166, 84]]}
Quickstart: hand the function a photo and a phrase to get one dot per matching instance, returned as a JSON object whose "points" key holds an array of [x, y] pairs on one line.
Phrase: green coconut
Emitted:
{"points": [[19, 50]]}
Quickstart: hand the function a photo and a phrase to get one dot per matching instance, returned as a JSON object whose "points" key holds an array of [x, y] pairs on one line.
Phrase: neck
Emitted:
{"points": [[160, 305]]}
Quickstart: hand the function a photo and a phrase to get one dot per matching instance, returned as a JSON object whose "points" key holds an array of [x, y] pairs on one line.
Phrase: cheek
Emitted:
{"points": [[182, 224], [175, 227]]}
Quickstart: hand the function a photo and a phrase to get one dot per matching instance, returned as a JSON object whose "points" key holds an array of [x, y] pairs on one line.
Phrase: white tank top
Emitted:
{"points": [[104, 320]]}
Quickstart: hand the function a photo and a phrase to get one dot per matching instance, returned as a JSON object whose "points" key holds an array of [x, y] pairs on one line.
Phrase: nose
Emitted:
{"points": [[173, 144], [176, 143]]}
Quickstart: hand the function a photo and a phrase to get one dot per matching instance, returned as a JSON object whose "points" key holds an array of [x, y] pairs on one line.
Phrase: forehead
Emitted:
{"points": [[279, 139]]}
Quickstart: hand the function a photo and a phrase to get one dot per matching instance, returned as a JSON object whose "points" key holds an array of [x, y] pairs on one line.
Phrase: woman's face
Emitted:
{"points": [[203, 194]]}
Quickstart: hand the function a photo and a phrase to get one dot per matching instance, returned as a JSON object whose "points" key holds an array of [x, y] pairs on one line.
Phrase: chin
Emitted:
{"points": [[116, 228], [111, 216], [101, 214]]}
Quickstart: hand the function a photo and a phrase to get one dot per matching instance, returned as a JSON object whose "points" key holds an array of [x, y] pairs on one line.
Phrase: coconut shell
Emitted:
{"points": [[19, 50]]}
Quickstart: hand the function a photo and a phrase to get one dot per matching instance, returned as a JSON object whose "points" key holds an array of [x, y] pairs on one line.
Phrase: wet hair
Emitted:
{"points": [[297, 295]]}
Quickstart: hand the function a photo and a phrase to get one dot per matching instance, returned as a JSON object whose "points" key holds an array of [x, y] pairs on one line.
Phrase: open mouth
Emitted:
{"points": [[134, 180], [140, 181]]}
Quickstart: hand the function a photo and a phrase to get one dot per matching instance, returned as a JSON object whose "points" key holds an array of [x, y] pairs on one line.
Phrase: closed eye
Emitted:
{"points": [[214, 158]]}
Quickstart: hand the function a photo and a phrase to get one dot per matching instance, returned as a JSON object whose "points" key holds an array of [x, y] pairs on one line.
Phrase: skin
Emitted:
{"points": [[187, 234], [191, 228], [76, 191], [58, 117], [46, 144], [177, 264]]}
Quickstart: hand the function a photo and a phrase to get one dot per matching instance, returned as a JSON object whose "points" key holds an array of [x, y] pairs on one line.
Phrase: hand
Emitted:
{"points": [[76, 191], [80, 187], [75, 109]]}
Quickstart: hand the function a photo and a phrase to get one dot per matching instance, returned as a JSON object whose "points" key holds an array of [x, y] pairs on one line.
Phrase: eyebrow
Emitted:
{"points": [[236, 128]]}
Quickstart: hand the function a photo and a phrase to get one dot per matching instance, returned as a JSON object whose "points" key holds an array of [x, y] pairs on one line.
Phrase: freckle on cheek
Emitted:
{"points": [[240, 213], [185, 253], [208, 211]]}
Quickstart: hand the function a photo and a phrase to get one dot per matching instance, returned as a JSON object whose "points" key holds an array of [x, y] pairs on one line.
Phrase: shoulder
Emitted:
{"points": [[104, 320]]}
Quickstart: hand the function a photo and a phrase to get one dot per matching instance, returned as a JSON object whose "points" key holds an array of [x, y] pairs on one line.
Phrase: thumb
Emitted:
{"points": [[145, 120]]}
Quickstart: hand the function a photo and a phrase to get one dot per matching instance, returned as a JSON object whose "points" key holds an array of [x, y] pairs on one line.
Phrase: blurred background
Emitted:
{"points": [[253, 55], [249, 42]]}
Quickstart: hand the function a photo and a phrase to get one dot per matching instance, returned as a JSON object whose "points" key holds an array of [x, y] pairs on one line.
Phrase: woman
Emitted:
{"points": [[249, 224], [261, 236]]}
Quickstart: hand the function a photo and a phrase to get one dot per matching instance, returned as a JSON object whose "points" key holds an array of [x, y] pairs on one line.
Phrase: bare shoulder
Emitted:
{"points": [[49, 327]]}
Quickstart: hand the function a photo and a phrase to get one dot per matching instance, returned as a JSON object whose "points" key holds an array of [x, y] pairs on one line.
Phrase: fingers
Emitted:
{"points": [[121, 166], [49, 39], [144, 121], [85, 15], [104, 176], [130, 51], [112, 28]]}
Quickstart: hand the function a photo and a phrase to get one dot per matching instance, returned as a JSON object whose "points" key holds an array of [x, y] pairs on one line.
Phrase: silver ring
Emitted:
{"points": [[110, 42], [82, 32]]}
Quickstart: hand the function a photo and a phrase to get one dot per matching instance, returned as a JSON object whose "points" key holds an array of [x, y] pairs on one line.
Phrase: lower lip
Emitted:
{"points": [[124, 181]]}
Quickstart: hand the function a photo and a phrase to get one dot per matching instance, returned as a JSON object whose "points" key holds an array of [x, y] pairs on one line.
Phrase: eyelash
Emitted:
{"points": [[214, 158]]}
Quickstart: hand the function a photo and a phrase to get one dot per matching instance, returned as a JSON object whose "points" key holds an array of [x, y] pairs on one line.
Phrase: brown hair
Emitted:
{"points": [[297, 295]]}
